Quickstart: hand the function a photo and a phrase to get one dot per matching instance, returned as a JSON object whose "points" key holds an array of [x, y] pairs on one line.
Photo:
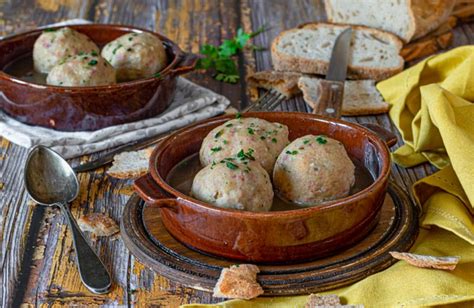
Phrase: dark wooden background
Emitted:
{"points": [[36, 257]]}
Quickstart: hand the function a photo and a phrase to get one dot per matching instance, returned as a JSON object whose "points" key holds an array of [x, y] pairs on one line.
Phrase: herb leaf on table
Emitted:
{"points": [[220, 58]]}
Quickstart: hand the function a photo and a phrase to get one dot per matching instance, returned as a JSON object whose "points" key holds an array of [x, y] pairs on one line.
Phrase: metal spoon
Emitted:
{"points": [[51, 181]]}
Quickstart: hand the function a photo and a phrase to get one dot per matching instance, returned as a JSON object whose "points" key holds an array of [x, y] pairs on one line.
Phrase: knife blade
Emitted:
{"points": [[330, 92]]}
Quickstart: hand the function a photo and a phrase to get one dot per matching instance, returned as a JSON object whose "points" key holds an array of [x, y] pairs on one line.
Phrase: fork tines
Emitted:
{"points": [[267, 102]]}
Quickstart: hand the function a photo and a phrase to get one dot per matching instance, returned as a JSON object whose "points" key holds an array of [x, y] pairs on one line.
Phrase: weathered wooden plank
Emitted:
{"points": [[53, 278], [15, 214]]}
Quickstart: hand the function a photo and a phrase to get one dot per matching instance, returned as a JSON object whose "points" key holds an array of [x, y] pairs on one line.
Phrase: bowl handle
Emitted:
{"points": [[384, 134], [152, 193], [186, 64]]}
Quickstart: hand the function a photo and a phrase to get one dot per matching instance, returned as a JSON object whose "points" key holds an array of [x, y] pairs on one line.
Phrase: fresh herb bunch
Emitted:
{"points": [[219, 58]]}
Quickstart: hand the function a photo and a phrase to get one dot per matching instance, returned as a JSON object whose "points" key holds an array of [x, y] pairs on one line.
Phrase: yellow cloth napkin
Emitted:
{"points": [[431, 106]]}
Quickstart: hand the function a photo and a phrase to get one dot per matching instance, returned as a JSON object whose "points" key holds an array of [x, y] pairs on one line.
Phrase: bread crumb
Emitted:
{"points": [[238, 281], [425, 261], [98, 224]]}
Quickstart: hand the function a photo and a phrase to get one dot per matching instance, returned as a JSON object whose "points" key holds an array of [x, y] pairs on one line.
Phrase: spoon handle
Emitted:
{"points": [[93, 273]]}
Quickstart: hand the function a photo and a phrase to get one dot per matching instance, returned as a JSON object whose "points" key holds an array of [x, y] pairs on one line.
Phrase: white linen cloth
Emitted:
{"points": [[191, 103]]}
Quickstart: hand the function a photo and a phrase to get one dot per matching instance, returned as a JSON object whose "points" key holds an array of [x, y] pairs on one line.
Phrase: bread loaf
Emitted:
{"points": [[408, 19], [374, 53]]}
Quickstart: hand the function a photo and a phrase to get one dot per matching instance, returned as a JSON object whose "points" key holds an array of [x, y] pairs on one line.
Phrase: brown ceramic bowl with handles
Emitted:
{"points": [[87, 108], [276, 236]]}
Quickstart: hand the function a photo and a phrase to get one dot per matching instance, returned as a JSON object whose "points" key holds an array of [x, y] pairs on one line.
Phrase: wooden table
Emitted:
{"points": [[36, 260]]}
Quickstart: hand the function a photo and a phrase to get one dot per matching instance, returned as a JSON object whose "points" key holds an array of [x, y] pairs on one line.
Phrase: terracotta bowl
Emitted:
{"points": [[87, 108], [278, 236]]}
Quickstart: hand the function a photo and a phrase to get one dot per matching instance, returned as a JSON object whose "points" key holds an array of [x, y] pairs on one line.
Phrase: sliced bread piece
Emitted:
{"points": [[409, 19], [130, 165], [238, 281], [374, 53], [285, 83], [361, 97]]}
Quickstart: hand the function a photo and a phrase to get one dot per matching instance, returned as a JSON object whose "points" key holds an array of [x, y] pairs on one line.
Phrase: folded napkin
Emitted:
{"points": [[431, 106], [190, 104]]}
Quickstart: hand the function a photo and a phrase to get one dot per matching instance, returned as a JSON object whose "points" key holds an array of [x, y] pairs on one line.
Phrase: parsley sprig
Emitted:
{"points": [[220, 58]]}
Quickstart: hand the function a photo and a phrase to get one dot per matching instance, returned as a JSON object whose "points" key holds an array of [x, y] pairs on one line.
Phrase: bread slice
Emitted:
{"points": [[409, 19], [285, 83], [374, 53], [238, 281], [130, 165], [361, 97]]}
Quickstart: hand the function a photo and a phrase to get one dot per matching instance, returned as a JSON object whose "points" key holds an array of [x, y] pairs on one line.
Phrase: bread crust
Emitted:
{"points": [[285, 83], [285, 62]]}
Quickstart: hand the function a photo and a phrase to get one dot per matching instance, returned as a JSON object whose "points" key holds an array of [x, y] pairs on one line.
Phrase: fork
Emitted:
{"points": [[267, 102]]}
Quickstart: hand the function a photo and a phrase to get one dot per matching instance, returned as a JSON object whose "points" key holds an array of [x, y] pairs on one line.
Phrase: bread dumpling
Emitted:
{"points": [[84, 70], [55, 46], [234, 184], [264, 139], [313, 169], [136, 55]]}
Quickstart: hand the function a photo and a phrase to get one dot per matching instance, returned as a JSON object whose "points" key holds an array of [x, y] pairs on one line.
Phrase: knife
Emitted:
{"points": [[330, 91]]}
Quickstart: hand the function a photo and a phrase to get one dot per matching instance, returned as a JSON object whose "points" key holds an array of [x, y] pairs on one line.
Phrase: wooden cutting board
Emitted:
{"points": [[146, 237]]}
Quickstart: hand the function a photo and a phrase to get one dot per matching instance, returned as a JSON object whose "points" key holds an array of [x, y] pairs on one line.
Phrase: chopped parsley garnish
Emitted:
{"points": [[92, 62], [263, 137], [229, 125], [129, 49], [250, 131], [81, 53], [218, 134], [116, 48], [306, 141], [94, 53], [50, 30], [130, 38], [231, 165], [274, 140], [321, 140], [224, 142], [157, 75], [216, 149], [246, 155], [238, 115], [294, 152]]}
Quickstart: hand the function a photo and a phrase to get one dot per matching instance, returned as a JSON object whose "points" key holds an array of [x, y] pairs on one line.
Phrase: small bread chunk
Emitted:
{"points": [[130, 165], [424, 261], [326, 301], [99, 224], [238, 281], [317, 300], [285, 83], [361, 97]]}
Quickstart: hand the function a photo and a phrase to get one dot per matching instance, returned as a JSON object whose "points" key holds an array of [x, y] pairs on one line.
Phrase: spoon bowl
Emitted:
{"points": [[50, 180], [48, 177]]}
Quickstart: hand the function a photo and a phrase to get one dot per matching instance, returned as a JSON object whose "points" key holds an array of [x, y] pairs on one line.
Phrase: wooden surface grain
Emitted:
{"points": [[36, 254]]}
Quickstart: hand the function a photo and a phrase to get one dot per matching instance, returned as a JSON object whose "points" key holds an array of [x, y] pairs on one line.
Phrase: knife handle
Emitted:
{"points": [[328, 99]]}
